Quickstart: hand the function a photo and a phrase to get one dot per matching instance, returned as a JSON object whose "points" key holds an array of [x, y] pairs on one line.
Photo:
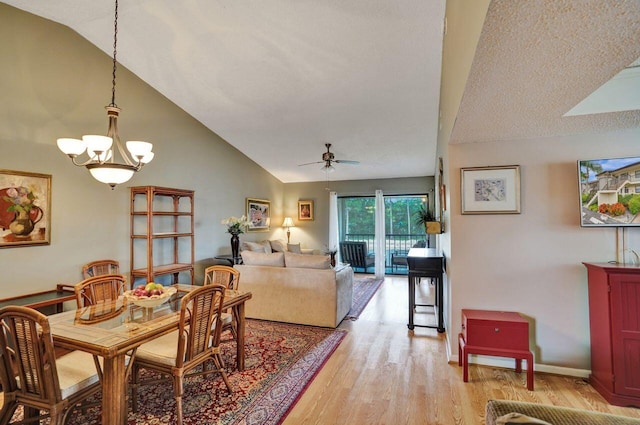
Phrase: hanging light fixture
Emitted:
{"points": [[100, 149]]}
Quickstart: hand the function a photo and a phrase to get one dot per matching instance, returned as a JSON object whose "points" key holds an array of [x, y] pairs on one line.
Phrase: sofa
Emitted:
{"points": [[295, 288], [503, 412], [277, 245]]}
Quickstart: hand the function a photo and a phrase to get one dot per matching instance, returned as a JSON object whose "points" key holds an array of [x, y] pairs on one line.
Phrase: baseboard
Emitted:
{"points": [[509, 363]]}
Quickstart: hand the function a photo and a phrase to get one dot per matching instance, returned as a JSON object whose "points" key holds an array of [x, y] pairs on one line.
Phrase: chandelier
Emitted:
{"points": [[100, 150]]}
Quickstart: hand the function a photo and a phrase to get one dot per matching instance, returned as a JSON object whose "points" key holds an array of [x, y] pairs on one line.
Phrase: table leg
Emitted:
{"points": [[114, 391], [530, 372], [412, 301], [440, 302], [240, 321]]}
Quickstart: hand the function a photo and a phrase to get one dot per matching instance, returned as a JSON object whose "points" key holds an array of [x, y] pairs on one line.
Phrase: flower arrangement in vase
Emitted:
{"points": [[235, 226]]}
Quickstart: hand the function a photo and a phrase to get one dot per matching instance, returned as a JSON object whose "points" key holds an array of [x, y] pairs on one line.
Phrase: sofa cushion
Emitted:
{"points": [[263, 246], [294, 247], [278, 245], [294, 260], [252, 258]]}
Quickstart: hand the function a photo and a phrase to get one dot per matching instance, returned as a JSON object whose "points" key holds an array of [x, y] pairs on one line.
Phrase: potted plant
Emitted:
{"points": [[427, 219]]}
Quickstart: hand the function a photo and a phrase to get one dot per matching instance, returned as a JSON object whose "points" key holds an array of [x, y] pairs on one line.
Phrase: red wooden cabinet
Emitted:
{"points": [[495, 333], [614, 323]]}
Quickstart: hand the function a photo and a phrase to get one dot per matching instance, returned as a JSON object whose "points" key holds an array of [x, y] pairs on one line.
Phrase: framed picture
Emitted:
{"points": [[259, 215], [305, 210], [490, 190], [25, 209]]}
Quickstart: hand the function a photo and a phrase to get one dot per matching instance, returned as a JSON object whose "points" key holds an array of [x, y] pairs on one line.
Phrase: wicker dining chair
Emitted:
{"points": [[31, 375], [229, 278], [100, 267], [195, 343], [99, 288]]}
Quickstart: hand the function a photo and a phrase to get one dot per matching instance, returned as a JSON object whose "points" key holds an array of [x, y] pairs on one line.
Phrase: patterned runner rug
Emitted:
{"points": [[281, 361], [363, 290]]}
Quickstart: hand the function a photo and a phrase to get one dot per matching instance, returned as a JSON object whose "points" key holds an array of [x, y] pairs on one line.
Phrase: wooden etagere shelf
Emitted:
{"points": [[162, 220]]}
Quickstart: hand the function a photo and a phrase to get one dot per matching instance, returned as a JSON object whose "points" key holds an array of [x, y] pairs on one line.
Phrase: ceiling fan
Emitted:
{"points": [[328, 159]]}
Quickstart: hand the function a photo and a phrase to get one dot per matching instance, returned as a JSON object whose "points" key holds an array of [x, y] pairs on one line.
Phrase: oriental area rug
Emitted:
{"points": [[281, 361], [363, 290]]}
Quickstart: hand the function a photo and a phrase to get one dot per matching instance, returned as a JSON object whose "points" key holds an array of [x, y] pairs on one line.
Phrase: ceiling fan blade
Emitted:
{"points": [[309, 163], [346, 161]]}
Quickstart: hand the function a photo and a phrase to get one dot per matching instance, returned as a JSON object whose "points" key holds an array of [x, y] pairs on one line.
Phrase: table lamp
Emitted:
{"points": [[288, 223]]}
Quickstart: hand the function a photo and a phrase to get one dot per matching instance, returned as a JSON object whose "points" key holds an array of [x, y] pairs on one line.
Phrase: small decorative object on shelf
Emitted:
{"points": [[235, 226]]}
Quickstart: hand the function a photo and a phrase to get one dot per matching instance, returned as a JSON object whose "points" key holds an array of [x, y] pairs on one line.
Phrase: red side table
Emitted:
{"points": [[495, 333]]}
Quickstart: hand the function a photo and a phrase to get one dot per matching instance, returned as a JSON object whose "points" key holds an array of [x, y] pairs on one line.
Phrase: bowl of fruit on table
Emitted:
{"points": [[150, 295]]}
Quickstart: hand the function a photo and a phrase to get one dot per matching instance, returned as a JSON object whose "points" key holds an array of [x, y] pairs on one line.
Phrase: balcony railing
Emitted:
{"points": [[394, 243]]}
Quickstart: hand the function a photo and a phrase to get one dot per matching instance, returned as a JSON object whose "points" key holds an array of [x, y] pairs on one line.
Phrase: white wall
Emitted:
{"points": [[532, 262]]}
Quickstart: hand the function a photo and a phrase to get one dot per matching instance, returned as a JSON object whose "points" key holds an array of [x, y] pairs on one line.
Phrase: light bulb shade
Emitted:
{"points": [[138, 148], [328, 168], [97, 143], [72, 147], [147, 158], [111, 174], [288, 222]]}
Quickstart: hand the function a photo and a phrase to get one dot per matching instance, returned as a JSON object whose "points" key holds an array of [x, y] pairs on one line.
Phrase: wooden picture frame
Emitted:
{"points": [[25, 209], [305, 210], [490, 190], [259, 215]]}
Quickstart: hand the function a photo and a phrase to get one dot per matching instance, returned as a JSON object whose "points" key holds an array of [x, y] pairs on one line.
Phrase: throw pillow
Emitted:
{"points": [[519, 418], [278, 245], [252, 258], [295, 248], [263, 246], [294, 260]]}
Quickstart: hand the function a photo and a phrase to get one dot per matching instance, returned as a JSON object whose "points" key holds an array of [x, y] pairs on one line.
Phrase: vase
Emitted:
{"points": [[235, 245], [22, 225]]}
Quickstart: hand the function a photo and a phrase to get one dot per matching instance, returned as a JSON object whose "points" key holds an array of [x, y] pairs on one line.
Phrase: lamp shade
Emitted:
{"points": [[111, 174], [288, 222], [71, 147]]}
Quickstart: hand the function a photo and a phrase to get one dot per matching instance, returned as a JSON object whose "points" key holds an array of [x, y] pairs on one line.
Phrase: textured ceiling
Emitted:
{"points": [[279, 78], [537, 59]]}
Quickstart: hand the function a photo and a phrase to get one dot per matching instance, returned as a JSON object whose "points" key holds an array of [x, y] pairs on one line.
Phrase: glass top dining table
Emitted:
{"points": [[112, 330]]}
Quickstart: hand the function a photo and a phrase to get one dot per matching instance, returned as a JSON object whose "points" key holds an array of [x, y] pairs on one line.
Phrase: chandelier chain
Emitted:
{"points": [[115, 43]]}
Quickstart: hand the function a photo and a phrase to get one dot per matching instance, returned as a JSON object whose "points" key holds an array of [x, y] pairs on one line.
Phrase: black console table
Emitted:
{"points": [[426, 262]]}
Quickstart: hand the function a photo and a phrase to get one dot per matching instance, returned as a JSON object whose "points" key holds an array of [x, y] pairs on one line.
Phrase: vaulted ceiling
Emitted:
{"points": [[278, 79]]}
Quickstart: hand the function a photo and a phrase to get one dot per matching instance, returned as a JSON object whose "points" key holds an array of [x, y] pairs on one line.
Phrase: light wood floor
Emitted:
{"points": [[384, 374]]}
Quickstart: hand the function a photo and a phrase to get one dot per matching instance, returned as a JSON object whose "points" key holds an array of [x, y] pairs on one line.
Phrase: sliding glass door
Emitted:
{"points": [[356, 222]]}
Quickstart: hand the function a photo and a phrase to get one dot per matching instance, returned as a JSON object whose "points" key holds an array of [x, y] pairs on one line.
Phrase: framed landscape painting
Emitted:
{"points": [[490, 190], [259, 215], [25, 209]]}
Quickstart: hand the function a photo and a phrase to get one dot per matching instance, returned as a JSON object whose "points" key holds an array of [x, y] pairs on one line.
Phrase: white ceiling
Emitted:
{"points": [[279, 78]]}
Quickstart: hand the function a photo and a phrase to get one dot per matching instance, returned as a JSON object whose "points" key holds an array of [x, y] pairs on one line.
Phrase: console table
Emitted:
{"points": [[426, 262], [37, 300], [495, 333]]}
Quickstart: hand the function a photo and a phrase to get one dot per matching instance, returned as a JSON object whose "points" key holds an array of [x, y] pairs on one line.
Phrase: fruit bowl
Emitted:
{"points": [[152, 300]]}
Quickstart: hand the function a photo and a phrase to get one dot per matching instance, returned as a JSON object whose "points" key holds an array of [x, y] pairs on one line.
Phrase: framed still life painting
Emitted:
{"points": [[25, 209], [259, 215]]}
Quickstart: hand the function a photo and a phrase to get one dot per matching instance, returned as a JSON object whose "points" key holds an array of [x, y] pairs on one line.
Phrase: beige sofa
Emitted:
{"points": [[295, 288]]}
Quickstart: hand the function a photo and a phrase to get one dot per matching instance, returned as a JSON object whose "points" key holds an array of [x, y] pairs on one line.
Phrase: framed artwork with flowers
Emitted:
{"points": [[25, 209], [259, 215]]}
